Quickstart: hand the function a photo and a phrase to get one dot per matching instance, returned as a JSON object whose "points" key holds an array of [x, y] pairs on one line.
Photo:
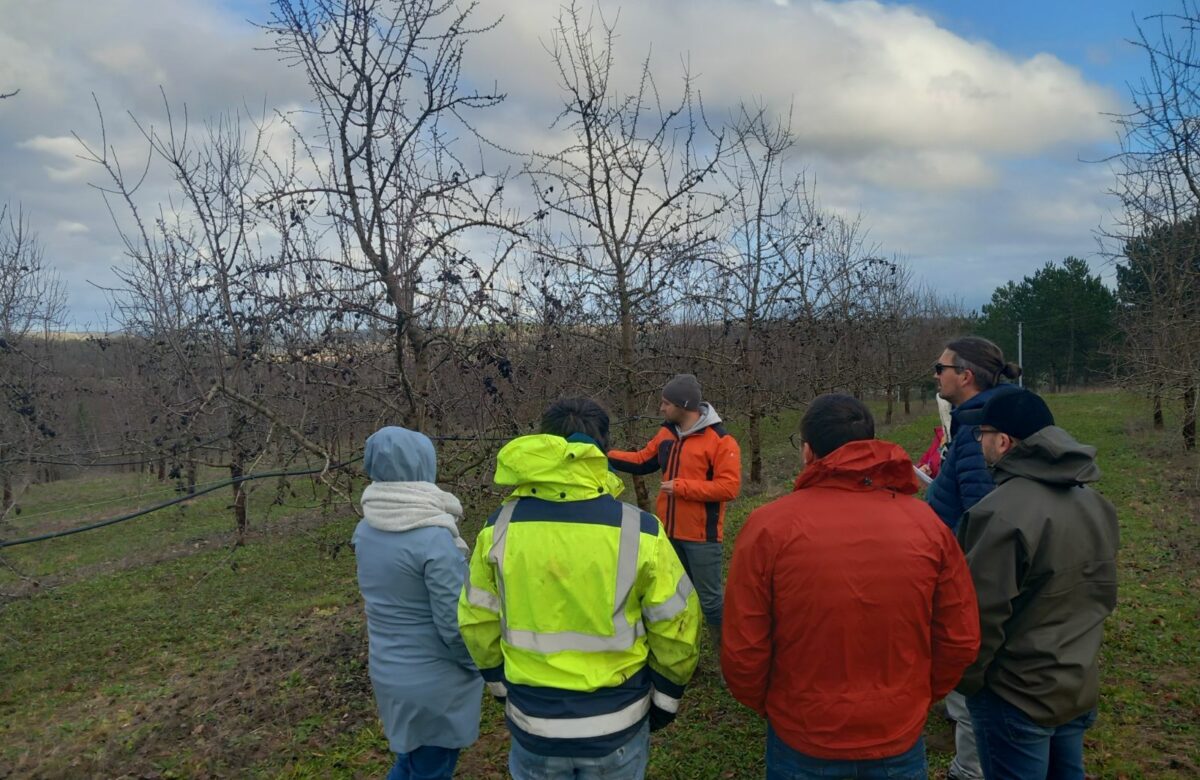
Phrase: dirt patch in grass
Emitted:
{"points": [[290, 694], [487, 759]]}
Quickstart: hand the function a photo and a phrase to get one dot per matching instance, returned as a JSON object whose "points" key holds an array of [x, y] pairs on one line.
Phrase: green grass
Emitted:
{"points": [[182, 529], [152, 649]]}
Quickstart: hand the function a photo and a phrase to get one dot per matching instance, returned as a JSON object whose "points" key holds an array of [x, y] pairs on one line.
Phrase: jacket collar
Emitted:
{"points": [[862, 465], [976, 402]]}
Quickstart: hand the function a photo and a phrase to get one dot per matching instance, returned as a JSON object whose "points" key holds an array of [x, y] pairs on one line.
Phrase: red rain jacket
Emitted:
{"points": [[849, 608], [933, 455]]}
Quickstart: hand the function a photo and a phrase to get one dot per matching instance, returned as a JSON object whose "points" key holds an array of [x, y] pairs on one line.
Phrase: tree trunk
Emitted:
{"points": [[755, 434], [906, 396], [239, 500], [7, 500], [1158, 411], [162, 469], [754, 411], [237, 468], [191, 476], [630, 391], [422, 378], [891, 404], [1189, 418]]}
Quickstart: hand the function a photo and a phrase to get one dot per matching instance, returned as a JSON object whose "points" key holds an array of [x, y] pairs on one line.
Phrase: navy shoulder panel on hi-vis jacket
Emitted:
{"points": [[705, 465], [576, 607]]}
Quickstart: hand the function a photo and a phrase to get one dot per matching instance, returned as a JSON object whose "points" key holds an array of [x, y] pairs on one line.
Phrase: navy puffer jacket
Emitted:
{"points": [[964, 477]]}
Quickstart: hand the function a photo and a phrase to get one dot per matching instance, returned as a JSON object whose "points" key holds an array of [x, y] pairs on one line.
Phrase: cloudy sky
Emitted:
{"points": [[957, 129]]}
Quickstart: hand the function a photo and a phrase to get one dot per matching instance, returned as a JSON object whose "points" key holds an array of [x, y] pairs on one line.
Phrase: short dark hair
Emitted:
{"points": [[834, 419], [567, 416]]}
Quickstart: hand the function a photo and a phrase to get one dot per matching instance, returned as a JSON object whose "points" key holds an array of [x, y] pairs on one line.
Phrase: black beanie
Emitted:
{"points": [[683, 391]]}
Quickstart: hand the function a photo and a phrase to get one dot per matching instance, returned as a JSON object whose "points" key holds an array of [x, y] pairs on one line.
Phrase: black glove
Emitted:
{"points": [[660, 718]]}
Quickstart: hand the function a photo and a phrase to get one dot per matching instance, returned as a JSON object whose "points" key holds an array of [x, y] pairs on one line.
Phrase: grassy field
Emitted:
{"points": [[151, 649]]}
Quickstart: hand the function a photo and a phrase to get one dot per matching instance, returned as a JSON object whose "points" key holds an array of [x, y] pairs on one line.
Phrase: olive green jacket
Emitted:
{"points": [[1042, 549]]}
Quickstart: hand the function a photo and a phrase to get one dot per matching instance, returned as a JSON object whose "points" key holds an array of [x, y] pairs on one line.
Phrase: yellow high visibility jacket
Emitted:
{"points": [[576, 609]]}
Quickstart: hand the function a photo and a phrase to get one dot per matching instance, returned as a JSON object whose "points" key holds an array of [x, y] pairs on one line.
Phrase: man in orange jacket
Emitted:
{"points": [[702, 469], [850, 607]]}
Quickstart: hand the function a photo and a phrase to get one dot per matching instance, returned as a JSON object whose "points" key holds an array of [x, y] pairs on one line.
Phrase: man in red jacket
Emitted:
{"points": [[702, 469], [849, 608]]}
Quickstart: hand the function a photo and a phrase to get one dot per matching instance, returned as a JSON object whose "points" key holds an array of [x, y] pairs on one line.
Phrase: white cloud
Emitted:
{"points": [[926, 170], [881, 86], [931, 135], [71, 228], [63, 153], [126, 59]]}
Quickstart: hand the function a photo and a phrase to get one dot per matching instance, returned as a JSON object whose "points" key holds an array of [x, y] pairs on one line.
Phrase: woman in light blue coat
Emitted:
{"points": [[411, 567]]}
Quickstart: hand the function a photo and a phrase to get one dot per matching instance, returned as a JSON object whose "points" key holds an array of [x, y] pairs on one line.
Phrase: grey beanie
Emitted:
{"points": [[684, 391]]}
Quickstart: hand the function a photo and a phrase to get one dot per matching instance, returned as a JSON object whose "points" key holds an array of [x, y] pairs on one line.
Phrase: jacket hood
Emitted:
{"points": [[395, 454], [708, 417], [1051, 456], [861, 465], [550, 467]]}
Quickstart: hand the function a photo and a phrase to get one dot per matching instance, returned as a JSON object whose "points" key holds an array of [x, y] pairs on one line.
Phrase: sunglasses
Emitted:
{"points": [[938, 368]]}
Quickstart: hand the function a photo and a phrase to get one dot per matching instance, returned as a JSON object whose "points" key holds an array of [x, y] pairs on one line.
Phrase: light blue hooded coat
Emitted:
{"points": [[411, 567]]}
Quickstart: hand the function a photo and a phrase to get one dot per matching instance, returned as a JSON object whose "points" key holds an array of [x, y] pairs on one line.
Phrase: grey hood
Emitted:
{"points": [[1051, 456], [708, 417]]}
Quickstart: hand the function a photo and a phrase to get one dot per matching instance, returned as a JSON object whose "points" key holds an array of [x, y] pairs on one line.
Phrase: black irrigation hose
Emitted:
{"points": [[209, 489], [172, 502]]}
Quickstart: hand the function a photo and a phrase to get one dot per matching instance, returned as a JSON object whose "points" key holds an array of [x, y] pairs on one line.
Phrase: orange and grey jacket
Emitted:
{"points": [[705, 463]]}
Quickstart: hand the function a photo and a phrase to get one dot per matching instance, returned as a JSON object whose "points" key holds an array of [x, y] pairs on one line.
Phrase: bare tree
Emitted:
{"points": [[769, 230], [32, 305], [32, 297], [1158, 187], [198, 293], [624, 210], [419, 234]]}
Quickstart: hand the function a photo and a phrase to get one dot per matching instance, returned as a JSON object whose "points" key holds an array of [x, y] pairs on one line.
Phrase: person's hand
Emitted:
{"points": [[924, 467], [668, 487]]}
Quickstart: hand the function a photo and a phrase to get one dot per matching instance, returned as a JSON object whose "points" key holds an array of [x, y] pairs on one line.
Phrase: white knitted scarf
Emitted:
{"points": [[403, 506]]}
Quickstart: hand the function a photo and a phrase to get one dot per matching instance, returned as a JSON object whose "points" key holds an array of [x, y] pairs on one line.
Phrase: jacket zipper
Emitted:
{"points": [[672, 471]]}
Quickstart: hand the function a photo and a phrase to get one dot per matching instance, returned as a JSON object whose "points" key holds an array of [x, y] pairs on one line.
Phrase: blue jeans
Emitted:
{"points": [[425, 763], [1014, 747], [627, 762], [784, 763], [702, 563]]}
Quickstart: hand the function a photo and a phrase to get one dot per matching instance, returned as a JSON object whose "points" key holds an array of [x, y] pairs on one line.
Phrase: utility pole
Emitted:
{"points": [[1021, 353]]}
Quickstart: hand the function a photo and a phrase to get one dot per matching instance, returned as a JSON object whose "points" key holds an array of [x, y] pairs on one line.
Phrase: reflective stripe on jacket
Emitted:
{"points": [[706, 466], [576, 606]]}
